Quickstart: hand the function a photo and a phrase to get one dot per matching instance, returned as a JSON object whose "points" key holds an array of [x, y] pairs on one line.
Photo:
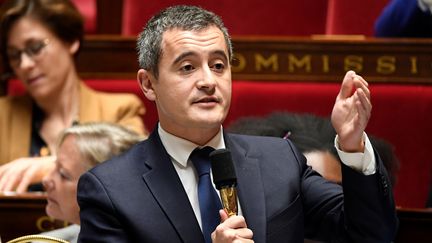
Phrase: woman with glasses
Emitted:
{"points": [[39, 40]]}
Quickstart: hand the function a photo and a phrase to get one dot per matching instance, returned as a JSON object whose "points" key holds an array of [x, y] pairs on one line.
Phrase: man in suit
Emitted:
{"points": [[149, 194]]}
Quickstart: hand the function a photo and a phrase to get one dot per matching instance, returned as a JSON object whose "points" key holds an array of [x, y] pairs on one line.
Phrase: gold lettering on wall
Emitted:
{"points": [[354, 63], [294, 63], [239, 62], [413, 61], [326, 63], [386, 65], [302, 64], [261, 62]]}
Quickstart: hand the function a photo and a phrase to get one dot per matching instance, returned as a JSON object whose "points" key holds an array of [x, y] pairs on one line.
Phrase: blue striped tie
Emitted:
{"points": [[208, 199]]}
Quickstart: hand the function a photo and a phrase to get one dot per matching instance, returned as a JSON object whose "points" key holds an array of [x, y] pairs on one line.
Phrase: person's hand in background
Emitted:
{"points": [[17, 175]]}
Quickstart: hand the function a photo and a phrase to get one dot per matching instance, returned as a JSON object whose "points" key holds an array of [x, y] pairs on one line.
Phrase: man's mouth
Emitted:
{"points": [[211, 99]]}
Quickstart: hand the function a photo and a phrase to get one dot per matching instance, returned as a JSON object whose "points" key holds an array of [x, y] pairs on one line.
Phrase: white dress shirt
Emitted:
{"points": [[179, 151], [363, 162]]}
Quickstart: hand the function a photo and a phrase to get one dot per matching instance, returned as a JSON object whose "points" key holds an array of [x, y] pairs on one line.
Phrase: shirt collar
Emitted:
{"points": [[179, 149]]}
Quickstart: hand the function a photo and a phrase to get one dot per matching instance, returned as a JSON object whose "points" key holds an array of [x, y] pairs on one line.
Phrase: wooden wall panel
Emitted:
{"points": [[286, 59], [317, 59], [24, 214]]}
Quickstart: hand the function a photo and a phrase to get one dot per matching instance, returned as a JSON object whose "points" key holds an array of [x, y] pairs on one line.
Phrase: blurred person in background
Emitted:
{"points": [[80, 148], [314, 137], [39, 41]]}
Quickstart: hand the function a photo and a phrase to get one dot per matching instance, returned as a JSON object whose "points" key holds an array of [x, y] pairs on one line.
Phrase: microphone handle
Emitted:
{"points": [[229, 200]]}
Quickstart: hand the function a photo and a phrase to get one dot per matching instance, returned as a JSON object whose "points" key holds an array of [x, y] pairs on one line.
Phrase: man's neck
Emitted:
{"points": [[199, 136]]}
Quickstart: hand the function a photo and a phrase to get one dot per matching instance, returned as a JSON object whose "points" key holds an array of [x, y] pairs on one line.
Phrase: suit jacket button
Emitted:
{"points": [[384, 184]]}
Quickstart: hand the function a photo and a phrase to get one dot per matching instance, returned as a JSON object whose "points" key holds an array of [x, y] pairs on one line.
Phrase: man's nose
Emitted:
{"points": [[208, 79]]}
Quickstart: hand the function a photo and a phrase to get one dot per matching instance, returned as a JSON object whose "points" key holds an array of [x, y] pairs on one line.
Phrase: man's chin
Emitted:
{"points": [[209, 122]]}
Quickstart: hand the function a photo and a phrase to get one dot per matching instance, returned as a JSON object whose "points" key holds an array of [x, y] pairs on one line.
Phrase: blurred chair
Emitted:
{"points": [[101, 16], [37, 238], [353, 17], [88, 10], [241, 17]]}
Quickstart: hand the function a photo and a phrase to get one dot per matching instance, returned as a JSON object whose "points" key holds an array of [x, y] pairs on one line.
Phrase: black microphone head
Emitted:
{"points": [[223, 168]]}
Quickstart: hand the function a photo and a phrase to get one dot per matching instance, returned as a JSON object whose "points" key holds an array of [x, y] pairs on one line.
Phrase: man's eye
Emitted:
{"points": [[219, 66], [187, 68]]}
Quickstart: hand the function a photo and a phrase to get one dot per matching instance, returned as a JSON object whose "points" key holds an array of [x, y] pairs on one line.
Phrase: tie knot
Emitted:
{"points": [[201, 160]]}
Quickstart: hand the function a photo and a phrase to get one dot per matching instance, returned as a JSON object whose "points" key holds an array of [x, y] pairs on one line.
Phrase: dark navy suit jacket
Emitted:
{"points": [[138, 197]]}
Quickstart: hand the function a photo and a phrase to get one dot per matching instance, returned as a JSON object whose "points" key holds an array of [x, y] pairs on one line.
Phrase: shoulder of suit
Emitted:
{"points": [[260, 141], [130, 162], [252, 137]]}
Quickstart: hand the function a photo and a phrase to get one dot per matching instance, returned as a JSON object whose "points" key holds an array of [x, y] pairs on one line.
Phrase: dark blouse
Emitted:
{"points": [[38, 146]]}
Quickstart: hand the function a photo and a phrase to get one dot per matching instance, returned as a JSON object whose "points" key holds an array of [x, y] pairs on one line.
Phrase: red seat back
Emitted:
{"points": [[241, 17], [88, 9], [353, 17]]}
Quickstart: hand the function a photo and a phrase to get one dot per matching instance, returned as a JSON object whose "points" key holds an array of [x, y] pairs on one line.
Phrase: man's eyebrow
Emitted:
{"points": [[221, 53], [183, 56], [191, 53]]}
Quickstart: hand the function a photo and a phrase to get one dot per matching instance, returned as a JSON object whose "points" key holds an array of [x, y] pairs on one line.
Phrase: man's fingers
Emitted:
{"points": [[233, 235], [235, 222], [366, 102], [231, 228], [223, 215], [351, 81], [364, 107], [244, 233], [347, 85], [359, 82], [363, 81]]}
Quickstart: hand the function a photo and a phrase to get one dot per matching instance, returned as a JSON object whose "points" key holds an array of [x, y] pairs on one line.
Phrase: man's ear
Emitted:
{"points": [[74, 46], [144, 80]]}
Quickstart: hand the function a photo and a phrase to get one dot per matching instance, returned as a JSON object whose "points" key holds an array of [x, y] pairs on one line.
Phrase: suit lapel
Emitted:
{"points": [[249, 187], [167, 190]]}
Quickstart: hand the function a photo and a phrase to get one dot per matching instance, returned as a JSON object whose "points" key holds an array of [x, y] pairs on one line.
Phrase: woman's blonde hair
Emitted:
{"points": [[100, 141]]}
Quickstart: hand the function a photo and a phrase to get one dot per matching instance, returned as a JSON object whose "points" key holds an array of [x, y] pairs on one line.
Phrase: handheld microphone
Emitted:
{"points": [[225, 179]]}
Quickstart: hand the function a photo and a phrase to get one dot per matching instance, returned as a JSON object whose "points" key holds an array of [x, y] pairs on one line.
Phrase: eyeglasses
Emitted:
{"points": [[33, 50]]}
